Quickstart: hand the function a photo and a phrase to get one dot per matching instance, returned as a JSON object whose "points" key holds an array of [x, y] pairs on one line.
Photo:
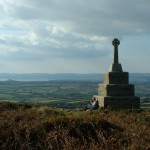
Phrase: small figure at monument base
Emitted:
{"points": [[93, 106]]}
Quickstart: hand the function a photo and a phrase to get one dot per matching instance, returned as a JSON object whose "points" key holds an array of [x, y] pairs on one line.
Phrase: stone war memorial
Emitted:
{"points": [[116, 92]]}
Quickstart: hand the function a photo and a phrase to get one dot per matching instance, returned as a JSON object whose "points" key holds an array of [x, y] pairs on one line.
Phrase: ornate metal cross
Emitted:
{"points": [[115, 43]]}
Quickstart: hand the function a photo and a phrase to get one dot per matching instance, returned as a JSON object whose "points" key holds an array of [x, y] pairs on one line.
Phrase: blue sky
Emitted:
{"points": [[73, 36]]}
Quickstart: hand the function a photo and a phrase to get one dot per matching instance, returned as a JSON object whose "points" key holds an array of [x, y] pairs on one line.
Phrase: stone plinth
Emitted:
{"points": [[115, 68]]}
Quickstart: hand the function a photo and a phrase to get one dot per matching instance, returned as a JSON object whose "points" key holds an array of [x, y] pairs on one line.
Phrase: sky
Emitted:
{"points": [[73, 36]]}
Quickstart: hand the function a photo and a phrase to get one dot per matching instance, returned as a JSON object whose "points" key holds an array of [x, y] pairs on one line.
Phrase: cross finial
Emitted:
{"points": [[115, 43]]}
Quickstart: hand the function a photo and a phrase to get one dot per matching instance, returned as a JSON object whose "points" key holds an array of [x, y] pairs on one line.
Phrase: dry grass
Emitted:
{"points": [[23, 127]]}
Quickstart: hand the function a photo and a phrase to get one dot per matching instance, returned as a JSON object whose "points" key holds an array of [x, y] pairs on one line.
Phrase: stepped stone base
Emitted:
{"points": [[118, 102]]}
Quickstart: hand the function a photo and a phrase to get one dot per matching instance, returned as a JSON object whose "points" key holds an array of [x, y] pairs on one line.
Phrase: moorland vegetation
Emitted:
{"points": [[32, 127]]}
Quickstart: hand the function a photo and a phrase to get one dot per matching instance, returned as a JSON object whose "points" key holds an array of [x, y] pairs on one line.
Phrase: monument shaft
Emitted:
{"points": [[116, 55]]}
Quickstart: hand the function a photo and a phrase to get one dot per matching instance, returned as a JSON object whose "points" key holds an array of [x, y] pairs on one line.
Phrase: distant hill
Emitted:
{"points": [[134, 77], [49, 77]]}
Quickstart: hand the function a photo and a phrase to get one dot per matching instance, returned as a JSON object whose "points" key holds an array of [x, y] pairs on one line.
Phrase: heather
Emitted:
{"points": [[36, 127]]}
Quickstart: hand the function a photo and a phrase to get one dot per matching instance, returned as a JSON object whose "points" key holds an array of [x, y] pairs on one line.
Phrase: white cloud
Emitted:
{"points": [[35, 31], [86, 17]]}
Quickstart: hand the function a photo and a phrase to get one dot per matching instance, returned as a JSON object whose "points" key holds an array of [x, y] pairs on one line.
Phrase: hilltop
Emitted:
{"points": [[35, 127]]}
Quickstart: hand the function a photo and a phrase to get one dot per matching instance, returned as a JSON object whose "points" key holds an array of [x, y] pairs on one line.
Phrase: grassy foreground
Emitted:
{"points": [[25, 127]]}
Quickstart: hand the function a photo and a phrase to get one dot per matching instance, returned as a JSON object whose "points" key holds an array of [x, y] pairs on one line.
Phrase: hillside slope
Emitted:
{"points": [[29, 127]]}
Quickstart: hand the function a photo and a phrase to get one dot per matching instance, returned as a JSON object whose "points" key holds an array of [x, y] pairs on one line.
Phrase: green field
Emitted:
{"points": [[68, 94], [52, 93]]}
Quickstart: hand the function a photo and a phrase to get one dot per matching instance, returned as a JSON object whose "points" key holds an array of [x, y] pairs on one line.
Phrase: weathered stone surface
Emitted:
{"points": [[116, 89], [116, 78], [131, 102]]}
